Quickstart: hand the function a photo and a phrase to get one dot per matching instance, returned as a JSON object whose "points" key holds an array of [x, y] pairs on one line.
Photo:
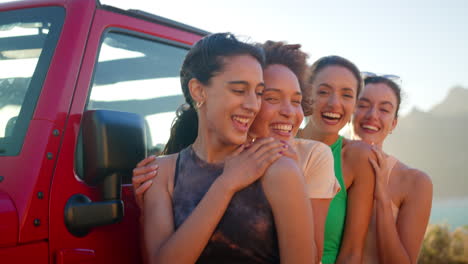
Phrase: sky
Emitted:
{"points": [[423, 42]]}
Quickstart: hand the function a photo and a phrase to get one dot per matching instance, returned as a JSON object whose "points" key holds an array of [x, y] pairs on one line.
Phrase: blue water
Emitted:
{"points": [[453, 211]]}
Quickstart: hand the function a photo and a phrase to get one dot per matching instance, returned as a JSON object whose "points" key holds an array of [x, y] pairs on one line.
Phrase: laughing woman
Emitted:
{"points": [[403, 195], [335, 85], [280, 117], [218, 200]]}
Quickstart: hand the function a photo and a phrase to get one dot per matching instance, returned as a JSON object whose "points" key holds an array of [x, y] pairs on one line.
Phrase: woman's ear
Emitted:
{"points": [[394, 123], [197, 91]]}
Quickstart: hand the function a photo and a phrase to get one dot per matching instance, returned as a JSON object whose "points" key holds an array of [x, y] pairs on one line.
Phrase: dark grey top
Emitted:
{"points": [[246, 232]]}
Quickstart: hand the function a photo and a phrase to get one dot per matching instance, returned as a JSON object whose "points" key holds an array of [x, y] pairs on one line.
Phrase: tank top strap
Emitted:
{"points": [[176, 169]]}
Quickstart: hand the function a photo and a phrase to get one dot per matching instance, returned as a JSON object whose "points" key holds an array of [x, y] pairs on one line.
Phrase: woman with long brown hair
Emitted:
{"points": [[402, 195]]}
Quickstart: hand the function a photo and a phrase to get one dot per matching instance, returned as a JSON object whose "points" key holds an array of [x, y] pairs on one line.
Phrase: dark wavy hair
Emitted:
{"points": [[204, 60], [321, 64], [290, 56], [393, 86]]}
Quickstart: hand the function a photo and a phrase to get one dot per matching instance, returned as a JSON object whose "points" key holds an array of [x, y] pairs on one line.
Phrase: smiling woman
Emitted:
{"points": [[330, 101], [280, 117], [403, 195]]}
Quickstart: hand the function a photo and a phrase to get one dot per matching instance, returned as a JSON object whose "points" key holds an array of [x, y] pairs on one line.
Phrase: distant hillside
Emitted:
{"points": [[436, 142], [454, 104]]}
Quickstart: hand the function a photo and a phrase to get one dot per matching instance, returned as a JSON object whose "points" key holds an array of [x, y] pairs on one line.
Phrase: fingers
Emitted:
{"points": [[146, 161], [374, 165], [267, 147], [143, 170], [252, 148], [238, 150], [139, 180], [269, 157], [380, 158], [142, 189], [289, 152]]}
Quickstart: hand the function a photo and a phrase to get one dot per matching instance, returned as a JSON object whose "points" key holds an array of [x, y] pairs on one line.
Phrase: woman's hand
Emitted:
{"points": [[290, 152], [381, 171], [142, 177], [249, 162]]}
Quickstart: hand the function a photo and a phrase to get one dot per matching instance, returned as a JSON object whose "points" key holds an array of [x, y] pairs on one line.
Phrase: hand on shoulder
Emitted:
{"points": [[166, 171]]}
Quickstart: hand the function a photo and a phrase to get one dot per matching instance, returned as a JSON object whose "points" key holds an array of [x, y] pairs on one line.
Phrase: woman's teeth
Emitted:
{"points": [[285, 128], [370, 127], [241, 120], [331, 115]]}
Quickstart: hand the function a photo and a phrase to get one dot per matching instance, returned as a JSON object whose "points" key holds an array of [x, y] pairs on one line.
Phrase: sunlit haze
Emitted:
{"points": [[424, 42]]}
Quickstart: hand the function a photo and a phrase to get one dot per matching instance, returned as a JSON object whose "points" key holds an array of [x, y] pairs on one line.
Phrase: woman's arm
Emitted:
{"points": [[142, 177], [401, 243], [284, 188], [357, 168], [163, 244], [321, 185], [320, 211]]}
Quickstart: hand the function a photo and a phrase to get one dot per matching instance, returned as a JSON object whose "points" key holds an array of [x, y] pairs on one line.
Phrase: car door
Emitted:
{"points": [[131, 64]]}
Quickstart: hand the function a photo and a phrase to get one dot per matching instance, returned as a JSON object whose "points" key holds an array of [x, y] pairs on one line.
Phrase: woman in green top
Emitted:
{"points": [[335, 84]]}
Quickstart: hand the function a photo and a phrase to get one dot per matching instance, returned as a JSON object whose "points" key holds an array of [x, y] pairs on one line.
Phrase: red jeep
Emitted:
{"points": [[85, 91]]}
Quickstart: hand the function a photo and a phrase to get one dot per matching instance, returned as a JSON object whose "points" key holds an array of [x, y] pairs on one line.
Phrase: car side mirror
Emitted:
{"points": [[113, 143]]}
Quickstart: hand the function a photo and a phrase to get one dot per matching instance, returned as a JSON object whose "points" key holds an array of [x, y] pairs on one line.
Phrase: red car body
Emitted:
{"points": [[37, 182]]}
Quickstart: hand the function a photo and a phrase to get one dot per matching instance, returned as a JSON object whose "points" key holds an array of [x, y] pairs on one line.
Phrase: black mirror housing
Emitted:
{"points": [[113, 143]]}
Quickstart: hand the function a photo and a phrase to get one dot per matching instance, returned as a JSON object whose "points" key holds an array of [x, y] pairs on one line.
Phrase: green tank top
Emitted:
{"points": [[336, 216]]}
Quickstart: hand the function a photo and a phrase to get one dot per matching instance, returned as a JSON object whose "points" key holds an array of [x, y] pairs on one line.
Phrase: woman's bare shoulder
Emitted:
{"points": [[166, 171], [357, 151], [413, 178]]}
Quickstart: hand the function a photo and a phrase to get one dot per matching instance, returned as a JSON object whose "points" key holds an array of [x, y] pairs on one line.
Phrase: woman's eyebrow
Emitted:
{"points": [[346, 89], [245, 83], [326, 85], [386, 102], [271, 89], [239, 82]]}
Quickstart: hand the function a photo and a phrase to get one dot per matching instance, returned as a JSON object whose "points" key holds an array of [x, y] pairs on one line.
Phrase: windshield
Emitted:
{"points": [[27, 40]]}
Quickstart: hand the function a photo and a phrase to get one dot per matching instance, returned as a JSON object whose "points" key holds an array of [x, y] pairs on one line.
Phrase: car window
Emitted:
{"points": [[139, 75], [27, 40]]}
